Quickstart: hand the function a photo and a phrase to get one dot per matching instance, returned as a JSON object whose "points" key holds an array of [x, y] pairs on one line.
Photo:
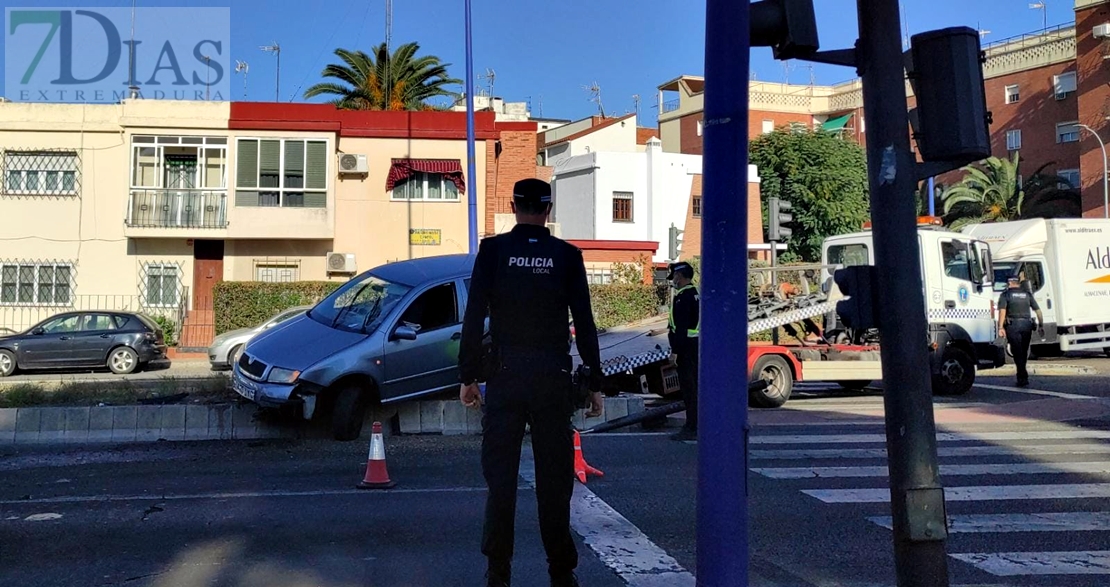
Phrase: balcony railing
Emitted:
{"points": [[670, 105], [177, 209]]}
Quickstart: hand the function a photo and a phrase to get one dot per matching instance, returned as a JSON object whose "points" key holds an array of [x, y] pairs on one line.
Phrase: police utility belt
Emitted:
{"points": [[494, 359]]}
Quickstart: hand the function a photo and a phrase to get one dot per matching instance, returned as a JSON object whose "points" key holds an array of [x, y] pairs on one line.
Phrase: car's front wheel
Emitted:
{"points": [[123, 360], [7, 363], [348, 413]]}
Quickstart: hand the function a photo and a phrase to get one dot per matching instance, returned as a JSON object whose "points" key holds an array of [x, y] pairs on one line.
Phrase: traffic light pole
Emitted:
{"points": [[722, 494], [917, 498]]}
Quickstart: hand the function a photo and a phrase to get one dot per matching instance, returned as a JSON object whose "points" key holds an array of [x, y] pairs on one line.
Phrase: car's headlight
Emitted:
{"points": [[279, 375]]}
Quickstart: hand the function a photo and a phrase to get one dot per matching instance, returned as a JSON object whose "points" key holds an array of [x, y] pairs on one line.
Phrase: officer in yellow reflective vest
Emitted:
{"points": [[682, 333]]}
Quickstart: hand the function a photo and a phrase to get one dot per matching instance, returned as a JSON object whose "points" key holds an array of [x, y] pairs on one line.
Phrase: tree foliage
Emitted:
{"points": [[991, 191], [402, 81], [822, 175]]}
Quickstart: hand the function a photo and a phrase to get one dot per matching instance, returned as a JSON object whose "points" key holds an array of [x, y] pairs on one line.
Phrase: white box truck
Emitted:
{"points": [[1065, 263]]}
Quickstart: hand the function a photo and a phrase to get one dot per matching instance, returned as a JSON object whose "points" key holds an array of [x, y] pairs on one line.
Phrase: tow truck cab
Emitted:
{"points": [[957, 276]]}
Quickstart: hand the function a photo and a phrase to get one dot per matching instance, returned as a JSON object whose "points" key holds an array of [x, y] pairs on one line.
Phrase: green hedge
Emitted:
{"points": [[243, 304], [617, 304]]}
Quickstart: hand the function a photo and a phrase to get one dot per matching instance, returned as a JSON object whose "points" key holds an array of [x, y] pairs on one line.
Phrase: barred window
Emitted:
{"points": [[622, 206], [30, 283], [163, 284], [277, 273], [41, 173]]}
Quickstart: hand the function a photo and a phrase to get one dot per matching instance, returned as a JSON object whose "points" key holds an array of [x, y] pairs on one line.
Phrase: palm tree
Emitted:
{"points": [[401, 81], [992, 192]]}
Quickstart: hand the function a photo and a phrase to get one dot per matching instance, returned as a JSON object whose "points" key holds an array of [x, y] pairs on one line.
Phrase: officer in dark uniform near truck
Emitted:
{"points": [[682, 334], [527, 280], [1015, 321]]}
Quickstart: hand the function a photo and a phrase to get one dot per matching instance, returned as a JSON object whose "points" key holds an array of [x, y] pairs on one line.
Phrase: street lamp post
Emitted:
{"points": [[1105, 190], [471, 176]]}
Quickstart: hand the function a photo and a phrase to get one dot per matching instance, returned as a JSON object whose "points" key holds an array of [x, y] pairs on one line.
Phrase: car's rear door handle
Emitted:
{"points": [[949, 304], [63, 338], [105, 336], [456, 336]]}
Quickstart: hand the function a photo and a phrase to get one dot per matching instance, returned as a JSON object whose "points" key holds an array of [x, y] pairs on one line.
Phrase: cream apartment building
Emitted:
{"points": [[146, 205]]}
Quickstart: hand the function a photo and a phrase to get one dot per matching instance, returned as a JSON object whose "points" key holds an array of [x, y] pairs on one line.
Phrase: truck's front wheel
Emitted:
{"points": [[956, 374], [780, 382]]}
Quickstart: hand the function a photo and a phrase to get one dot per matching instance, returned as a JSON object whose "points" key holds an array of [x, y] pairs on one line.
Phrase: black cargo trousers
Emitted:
{"points": [[1019, 332], [535, 389]]}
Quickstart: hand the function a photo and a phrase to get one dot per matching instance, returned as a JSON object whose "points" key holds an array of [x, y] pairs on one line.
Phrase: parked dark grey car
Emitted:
{"points": [[389, 334], [120, 341]]}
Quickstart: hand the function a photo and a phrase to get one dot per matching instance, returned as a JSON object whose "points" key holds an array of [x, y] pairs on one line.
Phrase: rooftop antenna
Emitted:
{"points": [[131, 87], [541, 105], [207, 78], [787, 67], [275, 49], [489, 75], [636, 101], [982, 33], [595, 96], [243, 68], [1043, 6]]}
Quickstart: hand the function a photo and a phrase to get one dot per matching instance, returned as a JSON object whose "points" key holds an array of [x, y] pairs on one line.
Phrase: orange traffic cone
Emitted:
{"points": [[581, 467], [377, 477]]}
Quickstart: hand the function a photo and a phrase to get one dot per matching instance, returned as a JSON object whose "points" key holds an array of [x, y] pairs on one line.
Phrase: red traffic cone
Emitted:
{"points": [[377, 477], [581, 467]]}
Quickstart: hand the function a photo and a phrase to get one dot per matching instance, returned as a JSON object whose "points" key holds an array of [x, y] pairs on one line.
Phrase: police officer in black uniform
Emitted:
{"points": [[1015, 322], [682, 333], [527, 280]]}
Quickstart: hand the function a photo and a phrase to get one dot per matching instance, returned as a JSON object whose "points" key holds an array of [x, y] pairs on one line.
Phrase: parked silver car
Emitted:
{"points": [[225, 348], [387, 335]]}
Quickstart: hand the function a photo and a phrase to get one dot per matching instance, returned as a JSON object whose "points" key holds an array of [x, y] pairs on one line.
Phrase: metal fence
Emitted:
{"points": [[20, 318], [177, 209]]}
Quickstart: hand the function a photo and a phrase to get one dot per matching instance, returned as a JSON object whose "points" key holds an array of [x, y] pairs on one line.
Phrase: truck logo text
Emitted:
{"points": [[1099, 258]]}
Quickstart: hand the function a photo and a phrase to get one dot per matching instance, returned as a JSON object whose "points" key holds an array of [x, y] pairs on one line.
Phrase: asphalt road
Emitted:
{"points": [[1027, 476]]}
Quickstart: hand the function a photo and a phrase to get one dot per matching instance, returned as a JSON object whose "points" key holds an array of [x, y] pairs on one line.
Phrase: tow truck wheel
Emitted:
{"points": [[780, 382], [957, 373]]}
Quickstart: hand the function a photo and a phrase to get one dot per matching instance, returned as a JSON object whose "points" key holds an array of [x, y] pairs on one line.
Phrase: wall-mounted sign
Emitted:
{"points": [[425, 236]]}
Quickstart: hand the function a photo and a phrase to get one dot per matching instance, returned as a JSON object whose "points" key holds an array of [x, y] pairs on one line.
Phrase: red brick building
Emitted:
{"points": [[1039, 86]]}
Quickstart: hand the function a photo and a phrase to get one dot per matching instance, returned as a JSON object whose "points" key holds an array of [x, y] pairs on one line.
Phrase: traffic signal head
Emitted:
{"points": [[789, 27], [675, 242], [778, 219], [857, 310]]}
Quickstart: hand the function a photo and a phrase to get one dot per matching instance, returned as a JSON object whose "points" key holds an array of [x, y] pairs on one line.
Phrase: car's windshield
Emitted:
{"points": [[1001, 272], [360, 305]]}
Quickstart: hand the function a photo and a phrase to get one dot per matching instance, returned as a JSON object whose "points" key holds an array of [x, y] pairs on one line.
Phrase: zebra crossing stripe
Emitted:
{"points": [[1044, 522], [1012, 564], [1095, 468], [943, 452], [974, 493], [941, 437]]}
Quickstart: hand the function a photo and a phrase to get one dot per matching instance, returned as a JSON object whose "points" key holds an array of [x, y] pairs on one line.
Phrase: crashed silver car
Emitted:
{"points": [[387, 335], [225, 348]]}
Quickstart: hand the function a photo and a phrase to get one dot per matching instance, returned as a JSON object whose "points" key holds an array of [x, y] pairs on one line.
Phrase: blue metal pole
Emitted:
{"points": [[932, 198], [471, 175], [722, 497]]}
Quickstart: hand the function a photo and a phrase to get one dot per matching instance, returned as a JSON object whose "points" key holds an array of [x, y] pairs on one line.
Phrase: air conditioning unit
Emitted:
{"points": [[1101, 31], [353, 164], [341, 263], [554, 228]]}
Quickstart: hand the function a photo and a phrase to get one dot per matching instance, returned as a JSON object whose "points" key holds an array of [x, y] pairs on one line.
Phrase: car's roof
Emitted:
{"points": [[416, 271]]}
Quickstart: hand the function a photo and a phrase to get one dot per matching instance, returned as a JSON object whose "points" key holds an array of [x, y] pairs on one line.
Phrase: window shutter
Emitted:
{"points": [[294, 156], [246, 170], [316, 172], [270, 157]]}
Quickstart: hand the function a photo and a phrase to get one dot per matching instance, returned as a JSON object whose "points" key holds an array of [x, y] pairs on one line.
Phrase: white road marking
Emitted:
{"points": [[1044, 522], [941, 437], [1058, 394], [616, 541], [42, 517], [233, 495], [944, 451], [1095, 468], [979, 493], [1013, 564]]}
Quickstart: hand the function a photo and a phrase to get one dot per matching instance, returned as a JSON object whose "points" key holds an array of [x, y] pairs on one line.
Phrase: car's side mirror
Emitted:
{"points": [[404, 333], [38, 331]]}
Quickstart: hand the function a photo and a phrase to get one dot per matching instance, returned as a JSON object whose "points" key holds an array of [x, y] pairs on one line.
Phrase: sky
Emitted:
{"points": [[547, 53]]}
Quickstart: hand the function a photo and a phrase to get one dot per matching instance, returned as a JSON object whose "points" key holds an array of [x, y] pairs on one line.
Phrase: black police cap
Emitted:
{"points": [[680, 267], [532, 191]]}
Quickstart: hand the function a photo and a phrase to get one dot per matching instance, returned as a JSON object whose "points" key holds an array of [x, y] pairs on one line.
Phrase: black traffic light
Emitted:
{"points": [[951, 123], [789, 27], [857, 311], [675, 242], [778, 219]]}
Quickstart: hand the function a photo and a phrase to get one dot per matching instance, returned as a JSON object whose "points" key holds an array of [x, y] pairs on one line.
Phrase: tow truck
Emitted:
{"points": [[959, 303]]}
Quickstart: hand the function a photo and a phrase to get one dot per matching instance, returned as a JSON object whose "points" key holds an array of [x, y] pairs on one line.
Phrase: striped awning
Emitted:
{"points": [[403, 169]]}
